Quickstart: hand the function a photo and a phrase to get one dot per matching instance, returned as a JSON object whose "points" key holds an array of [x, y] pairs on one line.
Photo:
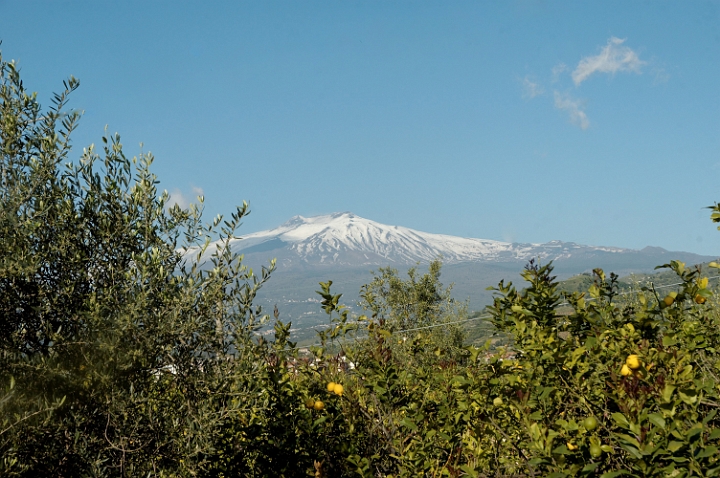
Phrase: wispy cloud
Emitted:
{"points": [[558, 70], [660, 76], [531, 89], [613, 57], [181, 199], [574, 109]]}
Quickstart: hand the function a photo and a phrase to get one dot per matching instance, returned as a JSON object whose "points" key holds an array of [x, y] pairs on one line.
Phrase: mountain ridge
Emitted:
{"points": [[347, 239], [346, 248]]}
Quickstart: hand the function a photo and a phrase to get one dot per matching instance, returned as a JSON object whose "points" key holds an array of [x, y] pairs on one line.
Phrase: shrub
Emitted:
{"points": [[119, 355]]}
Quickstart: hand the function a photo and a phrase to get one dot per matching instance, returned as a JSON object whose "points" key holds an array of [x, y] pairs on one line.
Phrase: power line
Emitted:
{"points": [[482, 317]]}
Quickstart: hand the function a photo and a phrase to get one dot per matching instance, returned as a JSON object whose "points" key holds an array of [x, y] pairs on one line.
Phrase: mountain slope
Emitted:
{"points": [[347, 239], [345, 248]]}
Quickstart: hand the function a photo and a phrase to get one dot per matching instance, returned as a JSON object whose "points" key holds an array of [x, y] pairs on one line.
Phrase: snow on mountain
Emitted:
{"points": [[345, 248], [344, 238]]}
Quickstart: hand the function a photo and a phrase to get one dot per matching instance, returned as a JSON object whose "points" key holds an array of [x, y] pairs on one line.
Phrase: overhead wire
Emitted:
{"points": [[482, 317]]}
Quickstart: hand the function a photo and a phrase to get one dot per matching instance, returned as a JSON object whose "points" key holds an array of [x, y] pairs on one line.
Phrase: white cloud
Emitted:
{"points": [[613, 58], [531, 89], [573, 107], [558, 70], [181, 199]]}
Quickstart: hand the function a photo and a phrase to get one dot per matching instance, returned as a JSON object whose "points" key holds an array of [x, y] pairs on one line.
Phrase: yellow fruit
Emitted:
{"points": [[625, 370], [668, 300], [498, 401], [633, 362], [331, 387], [702, 283], [700, 299], [318, 405], [309, 403], [571, 447], [338, 389]]}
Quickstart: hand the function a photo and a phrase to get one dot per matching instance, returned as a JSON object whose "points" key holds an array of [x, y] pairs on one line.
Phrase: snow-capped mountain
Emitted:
{"points": [[348, 239], [345, 248]]}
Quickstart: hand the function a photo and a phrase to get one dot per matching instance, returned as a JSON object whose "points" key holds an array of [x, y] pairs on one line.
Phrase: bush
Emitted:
{"points": [[119, 355], [644, 370], [622, 385]]}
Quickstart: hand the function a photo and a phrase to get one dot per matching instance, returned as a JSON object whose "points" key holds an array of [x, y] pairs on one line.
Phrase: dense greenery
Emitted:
{"points": [[121, 356], [115, 352]]}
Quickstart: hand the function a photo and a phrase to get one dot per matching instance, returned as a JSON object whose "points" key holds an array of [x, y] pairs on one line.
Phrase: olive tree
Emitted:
{"points": [[119, 354]]}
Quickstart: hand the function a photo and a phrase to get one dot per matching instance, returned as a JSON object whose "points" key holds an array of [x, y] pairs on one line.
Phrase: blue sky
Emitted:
{"points": [[592, 122]]}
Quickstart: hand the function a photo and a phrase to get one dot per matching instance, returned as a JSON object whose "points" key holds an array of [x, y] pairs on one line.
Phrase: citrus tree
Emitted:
{"points": [[619, 386]]}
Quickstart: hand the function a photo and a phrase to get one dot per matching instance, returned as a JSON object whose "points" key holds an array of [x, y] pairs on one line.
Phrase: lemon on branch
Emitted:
{"points": [[633, 362]]}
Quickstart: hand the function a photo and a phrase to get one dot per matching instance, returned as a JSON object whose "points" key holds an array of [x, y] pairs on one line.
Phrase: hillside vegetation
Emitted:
{"points": [[121, 357]]}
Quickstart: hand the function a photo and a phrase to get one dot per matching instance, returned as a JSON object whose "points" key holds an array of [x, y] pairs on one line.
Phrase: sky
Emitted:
{"points": [[524, 121]]}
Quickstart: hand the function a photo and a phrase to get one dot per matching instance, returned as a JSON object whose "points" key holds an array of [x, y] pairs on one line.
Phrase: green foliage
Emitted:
{"points": [[404, 304], [631, 284], [560, 401], [416, 309], [393, 409], [656, 420], [120, 356]]}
